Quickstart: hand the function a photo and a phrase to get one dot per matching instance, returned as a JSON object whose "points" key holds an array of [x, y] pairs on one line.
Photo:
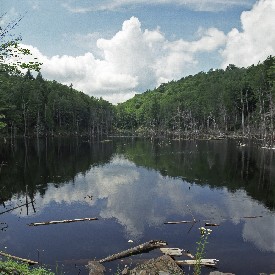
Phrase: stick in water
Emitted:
{"points": [[63, 221]]}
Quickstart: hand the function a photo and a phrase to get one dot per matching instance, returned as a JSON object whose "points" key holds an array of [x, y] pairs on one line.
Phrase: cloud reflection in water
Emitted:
{"points": [[137, 197]]}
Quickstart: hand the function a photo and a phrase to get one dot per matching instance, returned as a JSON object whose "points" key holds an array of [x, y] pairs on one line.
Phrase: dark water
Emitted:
{"points": [[133, 187]]}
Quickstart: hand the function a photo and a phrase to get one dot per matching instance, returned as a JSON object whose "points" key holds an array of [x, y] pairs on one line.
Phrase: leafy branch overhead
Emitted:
{"points": [[12, 53], [11, 57]]}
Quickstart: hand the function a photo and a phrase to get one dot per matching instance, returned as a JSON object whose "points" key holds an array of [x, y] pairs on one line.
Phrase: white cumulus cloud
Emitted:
{"points": [[131, 61], [256, 40]]}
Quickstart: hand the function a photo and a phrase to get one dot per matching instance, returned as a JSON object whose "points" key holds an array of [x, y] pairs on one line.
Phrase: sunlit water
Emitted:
{"points": [[134, 187]]}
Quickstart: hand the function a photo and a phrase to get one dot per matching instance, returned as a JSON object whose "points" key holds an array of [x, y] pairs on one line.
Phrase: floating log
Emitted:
{"points": [[188, 254], [206, 262], [245, 217], [145, 247], [63, 221], [178, 222], [211, 224], [176, 252], [9, 210], [30, 262], [251, 217], [171, 251]]}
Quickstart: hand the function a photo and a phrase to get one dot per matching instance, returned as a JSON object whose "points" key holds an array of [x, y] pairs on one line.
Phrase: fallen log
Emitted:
{"points": [[188, 254], [63, 221], [171, 251], [205, 262], [178, 222], [30, 262], [145, 247], [211, 224], [251, 217], [245, 217], [176, 252]]}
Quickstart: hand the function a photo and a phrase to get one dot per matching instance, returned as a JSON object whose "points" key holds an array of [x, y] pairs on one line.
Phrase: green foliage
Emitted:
{"points": [[13, 267], [11, 55], [2, 124], [34, 106], [11, 52], [219, 101]]}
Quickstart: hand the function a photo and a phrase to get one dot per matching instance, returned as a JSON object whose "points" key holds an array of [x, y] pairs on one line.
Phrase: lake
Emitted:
{"points": [[133, 186]]}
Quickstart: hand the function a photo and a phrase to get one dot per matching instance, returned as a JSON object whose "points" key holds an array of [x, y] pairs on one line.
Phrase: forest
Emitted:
{"points": [[36, 107], [217, 103]]}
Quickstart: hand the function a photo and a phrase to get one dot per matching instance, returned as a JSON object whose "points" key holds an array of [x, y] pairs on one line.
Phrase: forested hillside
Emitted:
{"points": [[231, 101], [33, 106], [239, 100]]}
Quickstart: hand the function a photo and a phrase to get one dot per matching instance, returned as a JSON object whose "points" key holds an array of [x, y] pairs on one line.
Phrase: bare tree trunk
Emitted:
{"points": [[242, 102], [247, 110], [271, 118], [37, 124], [25, 118]]}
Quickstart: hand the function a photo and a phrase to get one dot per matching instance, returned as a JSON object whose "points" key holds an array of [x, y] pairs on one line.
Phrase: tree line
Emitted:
{"points": [[217, 102], [33, 106]]}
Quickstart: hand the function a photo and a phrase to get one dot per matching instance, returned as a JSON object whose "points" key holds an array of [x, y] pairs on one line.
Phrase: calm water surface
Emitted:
{"points": [[134, 186]]}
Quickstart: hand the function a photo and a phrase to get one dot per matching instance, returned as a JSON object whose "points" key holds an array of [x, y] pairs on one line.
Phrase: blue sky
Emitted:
{"points": [[115, 49]]}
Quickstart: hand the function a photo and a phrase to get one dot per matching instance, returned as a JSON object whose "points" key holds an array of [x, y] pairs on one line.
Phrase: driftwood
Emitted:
{"points": [[9, 210], [176, 252], [178, 222], [251, 217], [145, 247], [211, 224], [30, 262], [205, 262], [63, 221], [171, 251], [188, 254], [245, 217]]}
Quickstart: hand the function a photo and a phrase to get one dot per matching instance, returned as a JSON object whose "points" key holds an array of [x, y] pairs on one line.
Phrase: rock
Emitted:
{"points": [[125, 271], [95, 268], [164, 265]]}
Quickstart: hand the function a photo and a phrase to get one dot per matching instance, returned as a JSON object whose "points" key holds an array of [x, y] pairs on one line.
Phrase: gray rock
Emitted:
{"points": [[164, 265], [95, 268]]}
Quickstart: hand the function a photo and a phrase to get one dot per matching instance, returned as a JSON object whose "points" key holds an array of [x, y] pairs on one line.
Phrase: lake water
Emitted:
{"points": [[134, 186]]}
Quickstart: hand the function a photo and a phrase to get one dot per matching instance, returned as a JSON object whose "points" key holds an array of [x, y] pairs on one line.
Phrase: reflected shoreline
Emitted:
{"points": [[219, 163], [134, 186]]}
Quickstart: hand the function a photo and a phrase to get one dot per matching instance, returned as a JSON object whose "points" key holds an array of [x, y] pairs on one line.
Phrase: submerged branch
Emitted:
{"points": [[30, 262]]}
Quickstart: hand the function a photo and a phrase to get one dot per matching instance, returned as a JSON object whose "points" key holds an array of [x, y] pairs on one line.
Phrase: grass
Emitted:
{"points": [[9, 266]]}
